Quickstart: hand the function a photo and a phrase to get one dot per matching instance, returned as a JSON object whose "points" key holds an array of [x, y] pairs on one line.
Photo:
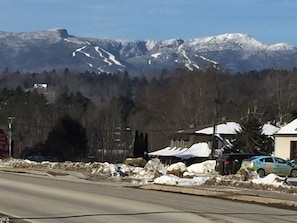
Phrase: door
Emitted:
{"points": [[283, 168], [293, 150]]}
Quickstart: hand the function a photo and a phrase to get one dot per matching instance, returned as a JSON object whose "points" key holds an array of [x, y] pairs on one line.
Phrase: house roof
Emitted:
{"points": [[289, 129], [200, 149], [230, 128], [224, 128], [269, 129], [196, 150], [168, 151]]}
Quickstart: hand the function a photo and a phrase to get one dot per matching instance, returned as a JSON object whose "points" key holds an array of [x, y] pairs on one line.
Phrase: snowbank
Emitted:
{"points": [[153, 172], [174, 180]]}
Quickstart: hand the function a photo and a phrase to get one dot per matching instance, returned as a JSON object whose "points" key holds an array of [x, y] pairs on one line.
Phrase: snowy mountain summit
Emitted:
{"points": [[56, 49]]}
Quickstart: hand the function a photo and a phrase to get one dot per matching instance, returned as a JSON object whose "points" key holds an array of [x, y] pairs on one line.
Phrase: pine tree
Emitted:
{"points": [[67, 141], [145, 147], [140, 145], [136, 145], [251, 138]]}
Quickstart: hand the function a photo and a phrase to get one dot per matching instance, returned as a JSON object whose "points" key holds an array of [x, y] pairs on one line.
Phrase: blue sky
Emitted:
{"points": [[269, 21]]}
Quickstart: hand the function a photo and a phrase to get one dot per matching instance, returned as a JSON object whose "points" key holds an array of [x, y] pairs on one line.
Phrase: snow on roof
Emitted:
{"points": [[200, 149], [233, 127], [168, 151], [269, 129], [290, 128], [225, 128]]}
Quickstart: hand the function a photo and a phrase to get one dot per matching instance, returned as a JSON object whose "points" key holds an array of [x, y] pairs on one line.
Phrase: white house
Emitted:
{"points": [[285, 141]]}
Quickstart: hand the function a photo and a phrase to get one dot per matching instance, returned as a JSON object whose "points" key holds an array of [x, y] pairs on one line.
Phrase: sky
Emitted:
{"points": [[269, 21]]}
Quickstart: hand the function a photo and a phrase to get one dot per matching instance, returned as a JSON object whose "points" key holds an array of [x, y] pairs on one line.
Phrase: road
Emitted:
{"points": [[48, 199]]}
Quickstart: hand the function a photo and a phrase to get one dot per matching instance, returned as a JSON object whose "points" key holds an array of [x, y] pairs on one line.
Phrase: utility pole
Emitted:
{"points": [[213, 139], [10, 120]]}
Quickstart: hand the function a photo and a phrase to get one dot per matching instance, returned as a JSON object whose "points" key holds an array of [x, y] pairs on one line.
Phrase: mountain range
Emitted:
{"points": [[56, 49]]}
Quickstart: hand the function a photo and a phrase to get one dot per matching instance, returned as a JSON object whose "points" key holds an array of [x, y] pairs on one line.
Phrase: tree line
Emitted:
{"points": [[113, 108]]}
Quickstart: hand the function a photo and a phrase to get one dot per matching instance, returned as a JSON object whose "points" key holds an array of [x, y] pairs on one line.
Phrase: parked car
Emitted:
{"points": [[230, 163], [265, 165]]}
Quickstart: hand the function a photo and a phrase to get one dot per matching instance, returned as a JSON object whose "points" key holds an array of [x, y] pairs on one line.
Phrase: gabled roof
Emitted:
{"points": [[289, 129]]}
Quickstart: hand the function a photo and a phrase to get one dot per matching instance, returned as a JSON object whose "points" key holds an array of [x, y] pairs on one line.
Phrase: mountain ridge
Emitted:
{"points": [[56, 49]]}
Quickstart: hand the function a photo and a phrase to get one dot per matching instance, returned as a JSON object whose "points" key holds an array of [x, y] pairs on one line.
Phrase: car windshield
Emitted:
{"points": [[252, 158]]}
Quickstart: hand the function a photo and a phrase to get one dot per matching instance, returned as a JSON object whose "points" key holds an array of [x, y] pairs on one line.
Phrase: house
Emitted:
{"points": [[285, 144], [193, 146]]}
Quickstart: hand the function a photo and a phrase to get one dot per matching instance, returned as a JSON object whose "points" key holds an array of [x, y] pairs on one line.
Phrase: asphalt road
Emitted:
{"points": [[47, 199]]}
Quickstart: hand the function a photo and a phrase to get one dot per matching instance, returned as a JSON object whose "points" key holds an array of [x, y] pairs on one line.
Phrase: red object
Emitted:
{"points": [[3, 140], [226, 162]]}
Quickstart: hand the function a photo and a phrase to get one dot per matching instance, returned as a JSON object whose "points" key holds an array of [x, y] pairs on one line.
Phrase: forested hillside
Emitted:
{"points": [[112, 107]]}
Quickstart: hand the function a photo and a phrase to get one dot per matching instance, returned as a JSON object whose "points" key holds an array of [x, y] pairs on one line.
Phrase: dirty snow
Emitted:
{"points": [[153, 172]]}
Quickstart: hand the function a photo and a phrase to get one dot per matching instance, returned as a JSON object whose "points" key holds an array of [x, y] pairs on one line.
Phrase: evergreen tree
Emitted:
{"points": [[136, 145], [145, 146], [251, 138], [67, 141], [139, 145]]}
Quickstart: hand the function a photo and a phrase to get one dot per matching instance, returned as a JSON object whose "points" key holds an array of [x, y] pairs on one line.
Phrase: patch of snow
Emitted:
{"points": [[200, 149], [269, 129], [113, 59], [177, 167], [153, 172], [202, 168], [280, 46], [156, 55], [168, 151], [225, 128], [174, 180], [75, 40], [290, 128], [97, 49], [208, 60], [271, 179], [78, 50], [150, 44]]}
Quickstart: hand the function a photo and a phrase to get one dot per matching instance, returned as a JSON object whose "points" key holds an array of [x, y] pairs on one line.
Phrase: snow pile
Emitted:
{"points": [[153, 172], [205, 167], [174, 180], [271, 179], [177, 169]]}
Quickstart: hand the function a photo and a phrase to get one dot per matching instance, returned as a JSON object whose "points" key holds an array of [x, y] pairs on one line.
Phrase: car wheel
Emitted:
{"points": [[261, 172], [293, 173]]}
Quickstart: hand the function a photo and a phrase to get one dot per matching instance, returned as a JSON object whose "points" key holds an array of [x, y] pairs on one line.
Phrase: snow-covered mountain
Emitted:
{"points": [[56, 49]]}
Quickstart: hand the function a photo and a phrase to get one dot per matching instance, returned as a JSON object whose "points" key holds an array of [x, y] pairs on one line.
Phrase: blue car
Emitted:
{"points": [[265, 165]]}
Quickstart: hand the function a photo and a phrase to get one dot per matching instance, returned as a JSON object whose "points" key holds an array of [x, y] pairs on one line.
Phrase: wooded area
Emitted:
{"points": [[112, 107]]}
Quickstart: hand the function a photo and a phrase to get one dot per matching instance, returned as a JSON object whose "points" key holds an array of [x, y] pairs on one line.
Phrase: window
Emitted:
{"points": [[279, 160], [268, 160]]}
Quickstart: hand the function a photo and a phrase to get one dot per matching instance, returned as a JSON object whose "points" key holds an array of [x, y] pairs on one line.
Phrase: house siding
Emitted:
{"points": [[283, 145]]}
